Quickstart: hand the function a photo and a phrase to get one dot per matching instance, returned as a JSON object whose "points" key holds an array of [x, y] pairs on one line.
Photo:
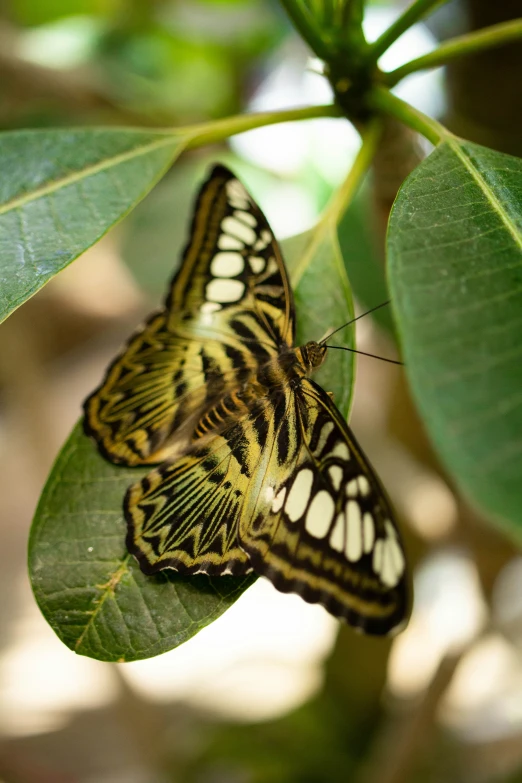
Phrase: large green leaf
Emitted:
{"points": [[90, 590], [455, 271], [62, 190]]}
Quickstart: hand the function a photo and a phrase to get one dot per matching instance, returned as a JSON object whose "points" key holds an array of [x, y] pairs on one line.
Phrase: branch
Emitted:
{"points": [[416, 11], [303, 23], [212, 132], [496, 35], [385, 101]]}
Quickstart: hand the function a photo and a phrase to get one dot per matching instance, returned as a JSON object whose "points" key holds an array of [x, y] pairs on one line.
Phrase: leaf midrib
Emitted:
{"points": [[106, 590], [458, 150], [96, 168]]}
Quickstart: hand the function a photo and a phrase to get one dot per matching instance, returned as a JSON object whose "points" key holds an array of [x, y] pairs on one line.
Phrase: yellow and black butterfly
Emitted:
{"points": [[256, 468]]}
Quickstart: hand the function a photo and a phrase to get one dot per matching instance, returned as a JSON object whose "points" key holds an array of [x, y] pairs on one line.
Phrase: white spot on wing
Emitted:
{"points": [[210, 307], [388, 557], [227, 264], [397, 560], [352, 489], [272, 266], [237, 194], [279, 499], [369, 531], [225, 290], [299, 494], [245, 217], [341, 450], [390, 530], [395, 556], [257, 263], [336, 475], [354, 540], [264, 240], [364, 485], [388, 576], [320, 514], [338, 534], [269, 494], [226, 242], [232, 225]]}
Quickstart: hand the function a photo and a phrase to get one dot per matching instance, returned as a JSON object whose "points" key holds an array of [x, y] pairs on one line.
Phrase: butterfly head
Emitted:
{"points": [[312, 355]]}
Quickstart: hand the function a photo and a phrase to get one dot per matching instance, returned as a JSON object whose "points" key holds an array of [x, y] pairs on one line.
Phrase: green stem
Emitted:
{"points": [[496, 35], [353, 12], [304, 24], [385, 101], [343, 197], [351, 21], [212, 132], [411, 15]]}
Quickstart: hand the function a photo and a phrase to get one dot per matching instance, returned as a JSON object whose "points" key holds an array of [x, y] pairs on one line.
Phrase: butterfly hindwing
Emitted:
{"points": [[322, 526], [229, 309], [286, 490], [185, 514]]}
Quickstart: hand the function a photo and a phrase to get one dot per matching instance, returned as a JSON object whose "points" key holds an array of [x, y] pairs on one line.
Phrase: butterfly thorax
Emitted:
{"points": [[289, 367], [285, 369]]}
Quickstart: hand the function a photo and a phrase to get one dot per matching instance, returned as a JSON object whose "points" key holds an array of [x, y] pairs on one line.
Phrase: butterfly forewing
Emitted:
{"points": [[228, 310], [233, 266]]}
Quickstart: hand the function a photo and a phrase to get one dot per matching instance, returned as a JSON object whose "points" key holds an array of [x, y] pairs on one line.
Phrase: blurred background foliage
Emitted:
{"points": [[275, 691]]}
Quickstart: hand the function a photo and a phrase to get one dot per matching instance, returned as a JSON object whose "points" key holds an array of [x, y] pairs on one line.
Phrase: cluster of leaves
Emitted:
{"points": [[455, 278]]}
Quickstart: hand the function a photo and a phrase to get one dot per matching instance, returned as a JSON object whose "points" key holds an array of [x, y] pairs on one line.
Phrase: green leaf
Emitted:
{"points": [[90, 590], [359, 240], [455, 271], [62, 190], [324, 302]]}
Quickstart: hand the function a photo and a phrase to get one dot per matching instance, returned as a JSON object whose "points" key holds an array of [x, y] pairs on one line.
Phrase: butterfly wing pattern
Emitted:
{"points": [[228, 310], [256, 469], [322, 525]]}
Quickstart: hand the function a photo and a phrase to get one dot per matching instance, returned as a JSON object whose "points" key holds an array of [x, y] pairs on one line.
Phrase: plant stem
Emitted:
{"points": [[351, 14], [382, 99], [496, 35], [411, 15], [304, 24], [343, 197], [212, 132]]}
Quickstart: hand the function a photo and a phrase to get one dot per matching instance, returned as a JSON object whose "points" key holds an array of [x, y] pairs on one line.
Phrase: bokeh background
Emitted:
{"points": [[275, 691]]}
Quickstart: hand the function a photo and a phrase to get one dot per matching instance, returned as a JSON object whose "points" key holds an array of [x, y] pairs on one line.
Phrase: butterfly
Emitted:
{"points": [[254, 467]]}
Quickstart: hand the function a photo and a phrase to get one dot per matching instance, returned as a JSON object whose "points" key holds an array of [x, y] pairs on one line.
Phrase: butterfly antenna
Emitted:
{"points": [[364, 353], [377, 307]]}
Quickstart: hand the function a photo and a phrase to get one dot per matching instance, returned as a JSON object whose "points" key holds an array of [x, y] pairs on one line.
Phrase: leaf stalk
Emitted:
{"points": [[411, 16], [212, 132], [304, 23], [478, 41], [383, 100]]}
